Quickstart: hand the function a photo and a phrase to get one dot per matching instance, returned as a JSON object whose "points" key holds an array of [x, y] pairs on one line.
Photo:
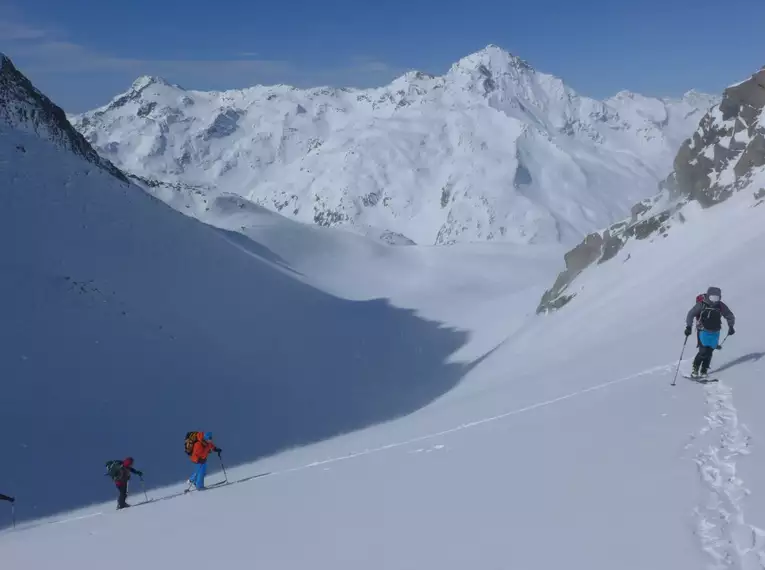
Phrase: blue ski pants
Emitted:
{"points": [[198, 477], [709, 339]]}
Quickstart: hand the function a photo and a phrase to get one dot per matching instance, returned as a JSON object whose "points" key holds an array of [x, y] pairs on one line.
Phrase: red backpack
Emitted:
{"points": [[699, 299]]}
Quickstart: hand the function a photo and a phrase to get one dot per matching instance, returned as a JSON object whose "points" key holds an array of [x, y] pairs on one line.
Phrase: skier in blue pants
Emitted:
{"points": [[709, 314], [201, 450]]}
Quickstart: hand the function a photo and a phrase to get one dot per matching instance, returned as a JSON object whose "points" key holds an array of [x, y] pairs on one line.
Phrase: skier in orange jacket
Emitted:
{"points": [[199, 453]]}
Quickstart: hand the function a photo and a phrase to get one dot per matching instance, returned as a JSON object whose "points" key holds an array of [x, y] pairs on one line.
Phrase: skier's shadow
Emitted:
{"points": [[751, 357]]}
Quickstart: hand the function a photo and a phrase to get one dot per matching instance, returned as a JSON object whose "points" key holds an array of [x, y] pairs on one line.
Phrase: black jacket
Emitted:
{"points": [[119, 473], [695, 313]]}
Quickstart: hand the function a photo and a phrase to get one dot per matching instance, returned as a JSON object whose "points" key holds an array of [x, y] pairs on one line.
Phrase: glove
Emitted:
{"points": [[218, 450], [687, 331], [139, 473], [731, 331]]}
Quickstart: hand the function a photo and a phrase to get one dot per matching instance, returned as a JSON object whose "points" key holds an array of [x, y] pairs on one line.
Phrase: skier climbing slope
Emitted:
{"points": [[201, 447], [120, 472], [708, 313]]}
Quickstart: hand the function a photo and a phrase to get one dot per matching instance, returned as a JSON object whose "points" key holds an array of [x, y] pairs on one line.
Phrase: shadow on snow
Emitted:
{"points": [[752, 357], [125, 325]]}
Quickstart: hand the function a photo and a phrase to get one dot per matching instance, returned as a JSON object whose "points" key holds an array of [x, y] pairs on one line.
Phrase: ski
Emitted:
{"points": [[153, 500], [701, 379], [208, 487]]}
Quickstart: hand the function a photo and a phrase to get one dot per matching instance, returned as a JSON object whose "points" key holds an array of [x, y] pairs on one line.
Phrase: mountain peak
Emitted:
{"points": [[699, 99], [625, 94], [336, 157], [146, 80], [492, 58]]}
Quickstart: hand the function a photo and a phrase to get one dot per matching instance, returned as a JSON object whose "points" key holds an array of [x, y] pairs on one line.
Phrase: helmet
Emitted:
{"points": [[714, 294], [208, 435], [127, 462]]}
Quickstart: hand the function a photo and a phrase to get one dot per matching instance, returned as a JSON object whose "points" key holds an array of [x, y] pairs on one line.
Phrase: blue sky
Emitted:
{"points": [[81, 56]]}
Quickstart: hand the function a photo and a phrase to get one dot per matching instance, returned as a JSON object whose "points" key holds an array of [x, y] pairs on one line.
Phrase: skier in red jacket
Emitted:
{"points": [[120, 472]]}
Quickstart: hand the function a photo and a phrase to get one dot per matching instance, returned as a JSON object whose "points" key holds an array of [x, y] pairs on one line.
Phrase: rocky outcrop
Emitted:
{"points": [[648, 219], [729, 143], [23, 107], [718, 160]]}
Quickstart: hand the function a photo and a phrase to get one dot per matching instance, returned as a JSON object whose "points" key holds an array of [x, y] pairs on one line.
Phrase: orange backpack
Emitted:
{"points": [[191, 438]]}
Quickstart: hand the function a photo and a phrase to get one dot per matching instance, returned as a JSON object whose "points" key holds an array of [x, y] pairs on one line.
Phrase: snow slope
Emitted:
{"points": [[564, 446], [493, 150], [126, 324], [556, 438]]}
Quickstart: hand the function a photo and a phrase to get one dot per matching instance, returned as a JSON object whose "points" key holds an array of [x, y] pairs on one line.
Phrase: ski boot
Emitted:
{"points": [[695, 371]]}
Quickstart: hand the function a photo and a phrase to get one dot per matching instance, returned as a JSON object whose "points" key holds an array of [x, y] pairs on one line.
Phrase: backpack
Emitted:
{"points": [[711, 318], [113, 468], [191, 438]]}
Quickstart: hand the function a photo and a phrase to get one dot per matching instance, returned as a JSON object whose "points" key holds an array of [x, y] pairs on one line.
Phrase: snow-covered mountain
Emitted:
{"points": [[551, 442], [493, 150], [725, 155]]}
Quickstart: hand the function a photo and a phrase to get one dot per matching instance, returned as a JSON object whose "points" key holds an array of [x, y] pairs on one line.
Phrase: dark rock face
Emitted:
{"points": [[728, 144], [645, 222], [225, 124], [25, 108], [715, 162], [579, 258]]}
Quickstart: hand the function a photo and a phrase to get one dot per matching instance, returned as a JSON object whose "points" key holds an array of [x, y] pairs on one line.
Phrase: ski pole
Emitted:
{"points": [[143, 486], [674, 380], [719, 346], [224, 467], [13, 514]]}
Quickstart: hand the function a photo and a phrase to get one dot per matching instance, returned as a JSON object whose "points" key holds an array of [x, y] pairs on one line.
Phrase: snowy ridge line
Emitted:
{"points": [[468, 425], [720, 524]]}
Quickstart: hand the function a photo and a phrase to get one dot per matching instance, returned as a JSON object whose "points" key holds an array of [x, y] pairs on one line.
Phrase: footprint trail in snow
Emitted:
{"points": [[720, 522]]}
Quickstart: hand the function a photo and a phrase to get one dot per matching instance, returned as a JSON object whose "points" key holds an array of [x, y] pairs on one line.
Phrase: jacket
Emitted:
{"points": [[121, 475], [695, 313], [202, 449]]}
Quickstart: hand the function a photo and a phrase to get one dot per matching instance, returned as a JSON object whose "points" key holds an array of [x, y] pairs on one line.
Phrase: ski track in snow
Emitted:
{"points": [[720, 523], [419, 439], [481, 421]]}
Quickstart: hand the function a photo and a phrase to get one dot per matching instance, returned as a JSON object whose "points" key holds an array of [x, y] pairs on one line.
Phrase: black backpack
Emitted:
{"points": [[113, 468], [711, 318]]}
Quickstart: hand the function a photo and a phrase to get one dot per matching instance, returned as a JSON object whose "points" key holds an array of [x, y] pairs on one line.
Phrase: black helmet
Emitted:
{"points": [[714, 294]]}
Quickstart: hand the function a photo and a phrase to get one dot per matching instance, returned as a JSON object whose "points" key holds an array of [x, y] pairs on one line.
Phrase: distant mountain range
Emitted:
{"points": [[492, 150]]}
